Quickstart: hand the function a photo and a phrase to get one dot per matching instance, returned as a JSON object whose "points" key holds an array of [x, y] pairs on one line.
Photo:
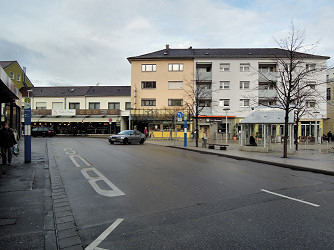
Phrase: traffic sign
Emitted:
{"points": [[110, 119], [179, 114]]}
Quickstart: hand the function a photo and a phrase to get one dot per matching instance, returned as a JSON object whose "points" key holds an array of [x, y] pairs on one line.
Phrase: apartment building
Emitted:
{"points": [[329, 122], [160, 82], [81, 109], [239, 80]]}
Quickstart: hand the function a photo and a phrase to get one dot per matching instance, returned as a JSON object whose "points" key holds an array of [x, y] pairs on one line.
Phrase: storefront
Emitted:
{"points": [[10, 102]]}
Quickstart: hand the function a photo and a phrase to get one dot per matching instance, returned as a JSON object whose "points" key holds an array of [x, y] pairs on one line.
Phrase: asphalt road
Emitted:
{"points": [[154, 197]]}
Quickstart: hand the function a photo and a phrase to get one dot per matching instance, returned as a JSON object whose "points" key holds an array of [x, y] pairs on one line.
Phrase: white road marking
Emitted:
{"points": [[99, 239], [81, 158], [290, 198], [99, 177]]}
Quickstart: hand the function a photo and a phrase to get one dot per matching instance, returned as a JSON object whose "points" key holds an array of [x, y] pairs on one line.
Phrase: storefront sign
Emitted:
{"points": [[63, 112]]}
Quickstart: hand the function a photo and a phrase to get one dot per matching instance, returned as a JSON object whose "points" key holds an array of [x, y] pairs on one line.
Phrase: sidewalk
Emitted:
{"points": [[318, 158], [26, 218]]}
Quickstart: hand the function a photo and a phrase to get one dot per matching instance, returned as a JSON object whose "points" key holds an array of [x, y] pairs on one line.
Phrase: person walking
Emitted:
{"points": [[7, 141]]}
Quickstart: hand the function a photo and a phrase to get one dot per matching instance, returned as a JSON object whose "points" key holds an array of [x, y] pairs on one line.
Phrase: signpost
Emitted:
{"points": [[185, 131], [27, 130]]}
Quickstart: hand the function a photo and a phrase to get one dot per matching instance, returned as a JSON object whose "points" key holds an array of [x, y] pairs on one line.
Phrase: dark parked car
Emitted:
{"points": [[43, 131], [128, 136]]}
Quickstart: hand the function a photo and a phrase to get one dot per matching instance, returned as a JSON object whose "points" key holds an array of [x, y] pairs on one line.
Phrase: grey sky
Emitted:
{"points": [[72, 42]]}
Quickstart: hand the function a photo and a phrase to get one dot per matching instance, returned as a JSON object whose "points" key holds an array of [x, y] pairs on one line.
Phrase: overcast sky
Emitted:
{"points": [[85, 42]]}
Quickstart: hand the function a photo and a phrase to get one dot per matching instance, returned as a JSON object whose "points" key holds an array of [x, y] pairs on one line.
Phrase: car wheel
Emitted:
{"points": [[111, 142], [125, 141], [141, 141]]}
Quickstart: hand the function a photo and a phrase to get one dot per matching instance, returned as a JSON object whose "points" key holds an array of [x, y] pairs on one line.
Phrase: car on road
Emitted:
{"points": [[43, 131], [128, 137]]}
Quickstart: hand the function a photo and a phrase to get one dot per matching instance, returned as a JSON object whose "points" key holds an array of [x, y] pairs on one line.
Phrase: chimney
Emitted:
{"points": [[167, 47]]}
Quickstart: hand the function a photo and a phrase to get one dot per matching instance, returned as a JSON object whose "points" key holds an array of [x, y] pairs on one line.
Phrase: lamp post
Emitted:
{"points": [[226, 110]]}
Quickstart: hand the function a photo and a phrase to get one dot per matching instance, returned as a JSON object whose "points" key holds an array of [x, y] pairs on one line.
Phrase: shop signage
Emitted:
{"points": [[63, 112]]}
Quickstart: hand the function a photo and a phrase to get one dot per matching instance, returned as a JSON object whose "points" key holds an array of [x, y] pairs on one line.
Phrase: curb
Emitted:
{"points": [[67, 236], [278, 164]]}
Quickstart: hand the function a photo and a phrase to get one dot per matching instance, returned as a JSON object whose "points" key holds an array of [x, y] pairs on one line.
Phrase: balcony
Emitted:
{"points": [[206, 111], [268, 76], [204, 76], [267, 93]]}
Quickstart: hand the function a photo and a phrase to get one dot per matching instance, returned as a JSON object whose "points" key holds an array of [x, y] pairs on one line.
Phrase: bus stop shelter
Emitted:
{"points": [[266, 124]]}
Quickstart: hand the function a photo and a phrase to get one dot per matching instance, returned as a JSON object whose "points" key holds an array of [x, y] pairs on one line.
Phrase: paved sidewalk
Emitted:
{"points": [[317, 158], [34, 211]]}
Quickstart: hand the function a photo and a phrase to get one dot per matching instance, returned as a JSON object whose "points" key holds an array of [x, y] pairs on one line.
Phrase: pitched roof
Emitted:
{"points": [[267, 115], [81, 91], [5, 64], [221, 53]]}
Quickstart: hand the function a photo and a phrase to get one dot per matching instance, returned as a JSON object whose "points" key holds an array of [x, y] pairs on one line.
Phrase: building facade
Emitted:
{"points": [[10, 102], [81, 110], [160, 85], [239, 80], [329, 122]]}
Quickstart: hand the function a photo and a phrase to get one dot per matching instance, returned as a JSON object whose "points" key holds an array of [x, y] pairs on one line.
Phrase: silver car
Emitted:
{"points": [[128, 137]]}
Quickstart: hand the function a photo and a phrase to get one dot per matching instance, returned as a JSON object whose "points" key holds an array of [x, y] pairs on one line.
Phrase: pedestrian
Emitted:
{"points": [[7, 141], [329, 136], [252, 141], [145, 132]]}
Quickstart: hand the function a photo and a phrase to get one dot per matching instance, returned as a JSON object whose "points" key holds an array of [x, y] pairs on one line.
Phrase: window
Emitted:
{"points": [[57, 105], [310, 104], [148, 67], [175, 85], [224, 67], [40, 105], [94, 105], [311, 85], [127, 105], [18, 77], [114, 105], [74, 105], [244, 84], [148, 85], [148, 102], [224, 102], [266, 102], [310, 66], [175, 102], [175, 67], [244, 102], [244, 67], [328, 94], [204, 103], [224, 84], [11, 75]]}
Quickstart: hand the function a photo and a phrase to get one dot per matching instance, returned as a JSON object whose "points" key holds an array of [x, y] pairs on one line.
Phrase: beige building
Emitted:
{"points": [[329, 123], [161, 85]]}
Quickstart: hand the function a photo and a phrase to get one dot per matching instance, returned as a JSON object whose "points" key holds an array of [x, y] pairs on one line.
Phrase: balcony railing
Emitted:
{"points": [[268, 76]]}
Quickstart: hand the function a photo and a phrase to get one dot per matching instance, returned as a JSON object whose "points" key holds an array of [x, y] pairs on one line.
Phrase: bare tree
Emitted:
{"points": [[198, 95], [295, 71]]}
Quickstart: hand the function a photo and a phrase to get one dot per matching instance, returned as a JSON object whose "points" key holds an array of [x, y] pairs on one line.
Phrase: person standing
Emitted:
{"points": [[146, 132], [7, 141]]}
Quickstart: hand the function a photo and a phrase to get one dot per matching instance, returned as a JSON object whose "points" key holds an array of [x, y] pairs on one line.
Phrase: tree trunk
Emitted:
{"points": [[286, 132]]}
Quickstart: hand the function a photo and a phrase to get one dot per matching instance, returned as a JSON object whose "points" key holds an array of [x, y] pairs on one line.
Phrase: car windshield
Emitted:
{"points": [[125, 132]]}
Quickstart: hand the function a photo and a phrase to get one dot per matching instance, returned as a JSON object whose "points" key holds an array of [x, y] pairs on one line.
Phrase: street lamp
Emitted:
{"points": [[226, 110]]}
